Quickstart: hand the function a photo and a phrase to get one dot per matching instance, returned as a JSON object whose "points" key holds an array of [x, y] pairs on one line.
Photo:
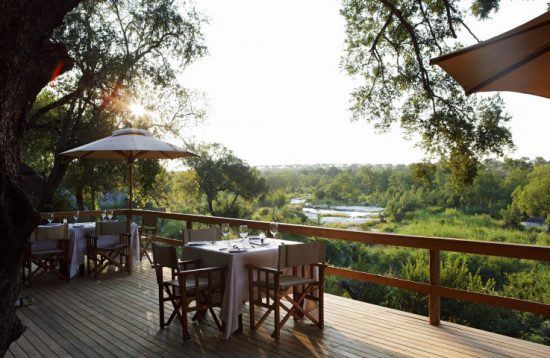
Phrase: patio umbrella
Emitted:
{"points": [[129, 144], [517, 61]]}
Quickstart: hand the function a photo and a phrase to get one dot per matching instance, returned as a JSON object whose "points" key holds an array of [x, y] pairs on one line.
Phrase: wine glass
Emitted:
{"points": [[225, 231], [103, 214], [64, 221], [243, 233], [50, 218], [274, 229], [110, 214], [76, 214]]}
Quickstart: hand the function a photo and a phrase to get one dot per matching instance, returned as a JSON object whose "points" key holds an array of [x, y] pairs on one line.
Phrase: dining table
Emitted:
{"points": [[77, 244], [235, 255]]}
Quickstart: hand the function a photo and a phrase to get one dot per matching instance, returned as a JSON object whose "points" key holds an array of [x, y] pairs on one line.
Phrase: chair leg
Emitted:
{"points": [[321, 307], [251, 299], [277, 333], [184, 325], [161, 308], [29, 271]]}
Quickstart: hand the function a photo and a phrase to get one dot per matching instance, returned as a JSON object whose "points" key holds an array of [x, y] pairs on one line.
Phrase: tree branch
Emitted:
{"points": [[414, 39], [381, 33]]}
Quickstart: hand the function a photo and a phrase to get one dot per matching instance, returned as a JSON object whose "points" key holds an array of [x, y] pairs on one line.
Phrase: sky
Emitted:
{"points": [[276, 94]]}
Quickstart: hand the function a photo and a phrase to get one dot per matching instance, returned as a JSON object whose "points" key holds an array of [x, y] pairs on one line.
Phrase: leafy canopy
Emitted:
{"points": [[388, 47], [223, 177]]}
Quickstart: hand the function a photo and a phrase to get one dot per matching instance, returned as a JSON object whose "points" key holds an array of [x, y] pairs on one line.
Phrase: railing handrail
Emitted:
{"points": [[434, 244], [511, 250]]}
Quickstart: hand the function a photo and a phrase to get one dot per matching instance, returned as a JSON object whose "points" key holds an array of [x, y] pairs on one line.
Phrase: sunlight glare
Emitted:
{"points": [[136, 109]]}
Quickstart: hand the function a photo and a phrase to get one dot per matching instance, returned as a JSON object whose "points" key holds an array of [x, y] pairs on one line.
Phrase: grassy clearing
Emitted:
{"points": [[456, 224]]}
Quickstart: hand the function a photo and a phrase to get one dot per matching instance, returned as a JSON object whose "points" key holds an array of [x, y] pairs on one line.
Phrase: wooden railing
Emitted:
{"points": [[435, 245]]}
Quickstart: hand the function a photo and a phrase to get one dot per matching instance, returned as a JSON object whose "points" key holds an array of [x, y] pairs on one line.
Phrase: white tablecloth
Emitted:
{"points": [[77, 238], [236, 286]]}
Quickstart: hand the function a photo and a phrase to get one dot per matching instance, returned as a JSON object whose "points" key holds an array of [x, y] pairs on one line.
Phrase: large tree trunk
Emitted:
{"points": [[28, 61], [55, 177]]}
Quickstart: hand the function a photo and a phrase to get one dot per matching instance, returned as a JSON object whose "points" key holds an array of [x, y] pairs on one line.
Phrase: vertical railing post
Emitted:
{"points": [[434, 300], [189, 225]]}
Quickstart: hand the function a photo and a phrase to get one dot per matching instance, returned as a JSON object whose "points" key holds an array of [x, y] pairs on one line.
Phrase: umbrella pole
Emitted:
{"points": [[131, 174], [130, 258]]}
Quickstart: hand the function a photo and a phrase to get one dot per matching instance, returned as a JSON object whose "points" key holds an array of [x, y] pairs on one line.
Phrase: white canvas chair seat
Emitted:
{"points": [[40, 252], [190, 283], [111, 247], [286, 281]]}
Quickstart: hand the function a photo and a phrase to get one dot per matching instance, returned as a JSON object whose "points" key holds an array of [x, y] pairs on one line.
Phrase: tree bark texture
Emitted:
{"points": [[28, 61]]}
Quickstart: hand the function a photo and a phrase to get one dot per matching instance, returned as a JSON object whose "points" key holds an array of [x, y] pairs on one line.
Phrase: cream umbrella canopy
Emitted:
{"points": [[517, 61], [129, 144]]}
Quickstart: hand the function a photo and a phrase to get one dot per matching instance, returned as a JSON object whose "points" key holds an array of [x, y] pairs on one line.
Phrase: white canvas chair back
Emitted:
{"points": [[165, 256], [50, 233], [301, 254], [213, 234], [149, 220], [110, 228]]}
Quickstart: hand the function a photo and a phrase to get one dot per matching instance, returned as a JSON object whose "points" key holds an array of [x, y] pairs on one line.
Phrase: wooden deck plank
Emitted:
{"points": [[447, 330], [117, 315]]}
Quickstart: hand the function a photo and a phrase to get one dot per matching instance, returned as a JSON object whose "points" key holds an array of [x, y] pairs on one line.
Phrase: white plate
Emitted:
{"points": [[197, 243], [236, 251]]}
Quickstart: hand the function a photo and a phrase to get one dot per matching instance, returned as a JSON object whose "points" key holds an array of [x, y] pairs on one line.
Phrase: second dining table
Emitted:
{"points": [[219, 253], [77, 247]]}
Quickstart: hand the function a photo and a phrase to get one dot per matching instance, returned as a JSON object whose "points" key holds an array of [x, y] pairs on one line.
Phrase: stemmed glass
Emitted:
{"points": [[76, 214], [274, 229], [225, 231], [110, 214], [243, 233], [50, 218], [103, 215]]}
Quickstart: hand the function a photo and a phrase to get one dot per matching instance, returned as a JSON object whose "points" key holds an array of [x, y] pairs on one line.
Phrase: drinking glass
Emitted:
{"points": [[110, 214], [50, 218], [103, 215], [76, 214], [274, 229], [64, 220], [243, 233], [225, 231]]}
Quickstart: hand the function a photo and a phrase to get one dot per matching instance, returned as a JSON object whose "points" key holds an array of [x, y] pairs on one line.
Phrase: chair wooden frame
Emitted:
{"points": [[147, 235], [47, 260], [189, 285], [272, 292], [102, 257]]}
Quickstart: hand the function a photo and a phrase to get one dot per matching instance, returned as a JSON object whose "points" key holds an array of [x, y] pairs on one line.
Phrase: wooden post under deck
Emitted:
{"points": [[434, 300]]}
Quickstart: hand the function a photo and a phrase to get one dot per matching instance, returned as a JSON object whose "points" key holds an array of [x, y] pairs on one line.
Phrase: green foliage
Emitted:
{"points": [[388, 46], [226, 181], [534, 197], [123, 51]]}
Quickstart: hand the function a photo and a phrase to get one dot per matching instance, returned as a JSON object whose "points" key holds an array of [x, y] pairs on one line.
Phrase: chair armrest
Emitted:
{"points": [[204, 270], [185, 263], [265, 269]]}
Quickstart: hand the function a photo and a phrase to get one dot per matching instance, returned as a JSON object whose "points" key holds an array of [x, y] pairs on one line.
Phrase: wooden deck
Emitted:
{"points": [[117, 316]]}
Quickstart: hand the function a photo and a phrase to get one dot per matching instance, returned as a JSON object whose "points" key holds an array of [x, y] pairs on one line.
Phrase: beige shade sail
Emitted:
{"points": [[129, 144], [516, 61]]}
